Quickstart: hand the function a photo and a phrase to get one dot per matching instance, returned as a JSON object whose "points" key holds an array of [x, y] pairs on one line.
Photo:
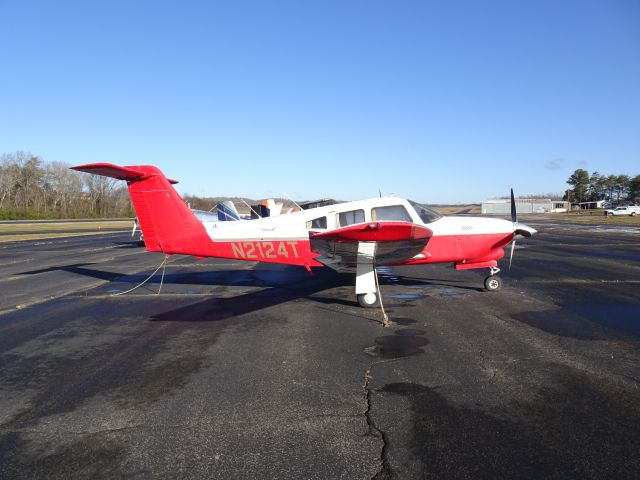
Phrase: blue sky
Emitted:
{"points": [[435, 101]]}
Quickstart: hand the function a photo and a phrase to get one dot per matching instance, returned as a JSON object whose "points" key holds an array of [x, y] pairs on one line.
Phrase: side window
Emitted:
{"points": [[394, 213], [317, 223], [349, 218]]}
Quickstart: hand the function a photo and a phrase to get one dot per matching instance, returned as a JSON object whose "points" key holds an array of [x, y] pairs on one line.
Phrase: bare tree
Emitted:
{"points": [[64, 185], [99, 189], [8, 178]]}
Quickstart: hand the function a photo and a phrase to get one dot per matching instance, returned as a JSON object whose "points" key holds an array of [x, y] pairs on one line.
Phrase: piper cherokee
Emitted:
{"points": [[358, 235]]}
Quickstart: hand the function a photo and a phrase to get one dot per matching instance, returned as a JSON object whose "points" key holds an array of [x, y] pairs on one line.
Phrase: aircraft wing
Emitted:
{"points": [[395, 242]]}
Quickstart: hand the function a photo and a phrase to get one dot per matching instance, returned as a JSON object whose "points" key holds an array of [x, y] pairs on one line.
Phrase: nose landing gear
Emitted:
{"points": [[493, 283]]}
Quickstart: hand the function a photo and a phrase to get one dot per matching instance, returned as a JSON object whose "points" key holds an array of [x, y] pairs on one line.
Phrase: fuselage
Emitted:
{"points": [[314, 237], [464, 240]]}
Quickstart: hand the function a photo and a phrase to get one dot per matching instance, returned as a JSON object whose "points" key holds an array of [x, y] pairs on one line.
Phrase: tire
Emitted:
{"points": [[368, 300], [609, 214], [492, 283], [633, 214]]}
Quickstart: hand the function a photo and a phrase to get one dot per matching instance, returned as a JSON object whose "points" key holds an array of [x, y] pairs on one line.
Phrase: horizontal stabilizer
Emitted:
{"points": [[130, 174], [376, 232]]}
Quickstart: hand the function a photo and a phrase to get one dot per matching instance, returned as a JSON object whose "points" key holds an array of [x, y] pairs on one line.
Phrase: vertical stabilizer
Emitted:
{"points": [[167, 223]]}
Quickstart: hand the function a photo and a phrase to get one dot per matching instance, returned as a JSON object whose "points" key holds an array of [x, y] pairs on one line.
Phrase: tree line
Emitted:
{"points": [[32, 188], [617, 189]]}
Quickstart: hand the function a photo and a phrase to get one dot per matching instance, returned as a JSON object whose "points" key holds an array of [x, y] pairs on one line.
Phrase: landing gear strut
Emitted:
{"points": [[366, 288], [493, 283]]}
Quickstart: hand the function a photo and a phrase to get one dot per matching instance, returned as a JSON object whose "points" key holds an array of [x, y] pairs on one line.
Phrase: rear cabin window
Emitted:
{"points": [[317, 223], [349, 218], [395, 213]]}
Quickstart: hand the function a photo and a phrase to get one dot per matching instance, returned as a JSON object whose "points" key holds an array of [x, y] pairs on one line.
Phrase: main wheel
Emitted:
{"points": [[492, 283], [368, 300]]}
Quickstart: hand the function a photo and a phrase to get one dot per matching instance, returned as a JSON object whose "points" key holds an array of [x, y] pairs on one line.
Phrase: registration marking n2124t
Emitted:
{"points": [[265, 250]]}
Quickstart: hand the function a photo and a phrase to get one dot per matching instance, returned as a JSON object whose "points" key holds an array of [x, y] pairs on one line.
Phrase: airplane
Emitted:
{"points": [[227, 212], [359, 235]]}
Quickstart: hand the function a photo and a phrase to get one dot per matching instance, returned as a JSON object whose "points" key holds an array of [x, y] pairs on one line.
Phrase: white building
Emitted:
{"points": [[502, 206], [592, 205]]}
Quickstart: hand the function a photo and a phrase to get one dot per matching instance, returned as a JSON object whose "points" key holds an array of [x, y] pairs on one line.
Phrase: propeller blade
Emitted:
{"points": [[513, 246], [514, 221], [133, 232]]}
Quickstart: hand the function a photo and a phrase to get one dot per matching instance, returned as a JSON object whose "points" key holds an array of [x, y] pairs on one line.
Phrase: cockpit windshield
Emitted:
{"points": [[426, 214]]}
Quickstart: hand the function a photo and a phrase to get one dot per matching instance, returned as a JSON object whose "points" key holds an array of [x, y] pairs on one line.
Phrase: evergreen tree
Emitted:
{"points": [[634, 190], [580, 182], [596, 187]]}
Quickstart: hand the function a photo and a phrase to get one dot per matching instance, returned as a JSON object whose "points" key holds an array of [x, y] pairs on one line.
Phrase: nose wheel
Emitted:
{"points": [[493, 283]]}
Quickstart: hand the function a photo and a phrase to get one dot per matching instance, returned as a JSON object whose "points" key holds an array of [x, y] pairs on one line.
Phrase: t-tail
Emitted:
{"points": [[167, 223]]}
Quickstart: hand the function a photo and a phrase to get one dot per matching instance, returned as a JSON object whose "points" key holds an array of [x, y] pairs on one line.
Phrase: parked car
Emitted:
{"points": [[629, 210]]}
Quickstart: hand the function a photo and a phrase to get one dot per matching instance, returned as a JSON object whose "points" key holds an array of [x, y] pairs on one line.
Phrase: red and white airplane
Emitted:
{"points": [[356, 235]]}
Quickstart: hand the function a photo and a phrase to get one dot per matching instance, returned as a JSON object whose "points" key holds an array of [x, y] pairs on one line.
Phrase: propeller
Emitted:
{"points": [[518, 228], [514, 220]]}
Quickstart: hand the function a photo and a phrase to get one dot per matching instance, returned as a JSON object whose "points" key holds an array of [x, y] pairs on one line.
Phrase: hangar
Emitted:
{"points": [[502, 206]]}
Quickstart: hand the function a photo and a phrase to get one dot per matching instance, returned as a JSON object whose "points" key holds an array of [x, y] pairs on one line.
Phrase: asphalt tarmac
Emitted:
{"points": [[244, 370]]}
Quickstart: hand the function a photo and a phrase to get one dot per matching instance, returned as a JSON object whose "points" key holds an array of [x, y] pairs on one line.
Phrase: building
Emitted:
{"points": [[592, 205], [502, 206]]}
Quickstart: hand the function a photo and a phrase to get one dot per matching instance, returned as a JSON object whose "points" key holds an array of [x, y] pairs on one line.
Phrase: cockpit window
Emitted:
{"points": [[349, 218], [426, 214], [393, 212]]}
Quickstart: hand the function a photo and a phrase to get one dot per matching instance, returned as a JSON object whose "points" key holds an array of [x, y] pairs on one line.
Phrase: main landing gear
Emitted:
{"points": [[493, 283], [367, 291], [367, 288], [368, 300]]}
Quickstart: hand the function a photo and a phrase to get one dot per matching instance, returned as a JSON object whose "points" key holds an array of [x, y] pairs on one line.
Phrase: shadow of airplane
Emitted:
{"points": [[281, 284]]}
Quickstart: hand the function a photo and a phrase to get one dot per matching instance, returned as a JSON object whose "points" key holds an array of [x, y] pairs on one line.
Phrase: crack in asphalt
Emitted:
{"points": [[373, 430], [384, 471]]}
